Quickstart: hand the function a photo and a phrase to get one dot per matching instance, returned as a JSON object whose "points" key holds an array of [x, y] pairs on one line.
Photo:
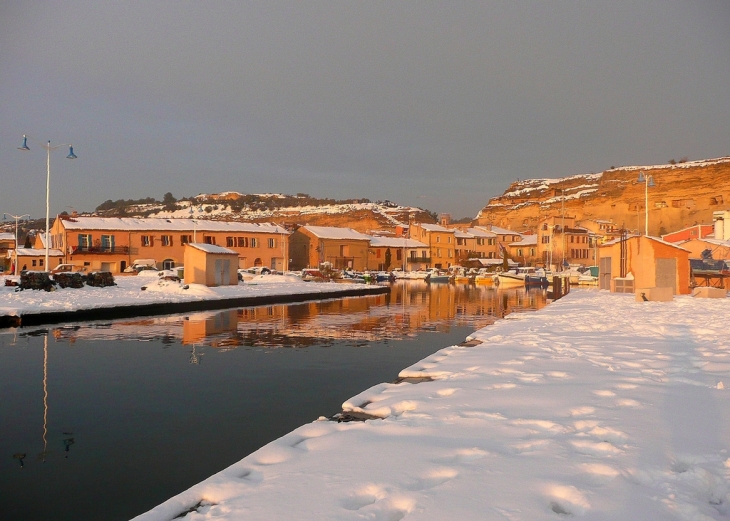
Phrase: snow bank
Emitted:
{"points": [[129, 292], [596, 406]]}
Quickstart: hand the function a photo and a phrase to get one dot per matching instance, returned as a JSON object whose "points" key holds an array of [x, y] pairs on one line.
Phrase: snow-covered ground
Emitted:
{"points": [[596, 406], [128, 292]]}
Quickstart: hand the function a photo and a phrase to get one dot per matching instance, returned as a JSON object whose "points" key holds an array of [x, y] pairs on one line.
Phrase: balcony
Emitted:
{"points": [[119, 250], [414, 260]]}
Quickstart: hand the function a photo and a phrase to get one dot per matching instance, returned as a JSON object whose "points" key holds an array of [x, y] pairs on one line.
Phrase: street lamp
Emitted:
{"points": [[48, 148], [17, 218], [194, 223], [648, 183]]}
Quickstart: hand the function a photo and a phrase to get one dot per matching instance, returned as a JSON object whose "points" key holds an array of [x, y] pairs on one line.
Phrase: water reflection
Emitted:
{"points": [[145, 418], [410, 307]]}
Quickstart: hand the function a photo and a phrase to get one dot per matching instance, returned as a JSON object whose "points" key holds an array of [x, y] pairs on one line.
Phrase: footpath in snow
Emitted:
{"points": [[166, 295], [596, 406]]}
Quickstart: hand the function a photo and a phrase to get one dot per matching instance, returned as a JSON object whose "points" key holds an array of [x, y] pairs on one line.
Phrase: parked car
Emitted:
{"points": [[141, 264], [68, 268]]}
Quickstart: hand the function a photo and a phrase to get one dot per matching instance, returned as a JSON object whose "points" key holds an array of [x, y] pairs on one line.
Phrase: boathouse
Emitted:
{"points": [[643, 262], [210, 265]]}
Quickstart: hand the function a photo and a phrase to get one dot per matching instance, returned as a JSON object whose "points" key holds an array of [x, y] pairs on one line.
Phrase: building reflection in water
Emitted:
{"points": [[410, 307]]}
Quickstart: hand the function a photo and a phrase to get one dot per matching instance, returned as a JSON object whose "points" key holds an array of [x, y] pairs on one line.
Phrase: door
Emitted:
{"points": [[604, 274], [226, 272], [218, 272], [666, 274]]}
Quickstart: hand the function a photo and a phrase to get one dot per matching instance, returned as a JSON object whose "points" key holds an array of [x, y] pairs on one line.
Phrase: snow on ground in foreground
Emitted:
{"points": [[596, 407], [128, 292]]}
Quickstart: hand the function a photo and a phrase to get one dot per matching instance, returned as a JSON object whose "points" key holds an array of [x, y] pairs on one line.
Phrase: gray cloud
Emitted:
{"points": [[436, 104]]}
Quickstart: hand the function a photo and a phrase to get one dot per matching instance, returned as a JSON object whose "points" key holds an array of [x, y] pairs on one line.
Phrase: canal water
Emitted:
{"points": [[105, 420]]}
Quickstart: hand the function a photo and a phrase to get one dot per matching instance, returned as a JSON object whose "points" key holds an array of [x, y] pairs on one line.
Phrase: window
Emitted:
{"points": [[377, 253], [519, 252], [254, 242], [146, 240], [438, 239], [448, 239], [438, 252], [107, 243], [229, 241], [242, 242], [84, 241], [399, 254], [166, 240], [33, 262], [423, 254], [272, 243], [480, 241], [185, 239], [209, 239], [532, 252]]}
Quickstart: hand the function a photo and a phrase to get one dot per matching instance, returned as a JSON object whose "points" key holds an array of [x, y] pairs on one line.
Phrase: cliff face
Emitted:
{"points": [[684, 194]]}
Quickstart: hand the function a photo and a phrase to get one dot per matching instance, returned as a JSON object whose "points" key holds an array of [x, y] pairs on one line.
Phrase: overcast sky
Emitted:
{"points": [[433, 104]]}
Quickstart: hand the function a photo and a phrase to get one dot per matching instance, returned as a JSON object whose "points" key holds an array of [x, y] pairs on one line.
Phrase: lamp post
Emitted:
{"points": [[648, 183], [191, 212], [17, 218], [48, 149]]}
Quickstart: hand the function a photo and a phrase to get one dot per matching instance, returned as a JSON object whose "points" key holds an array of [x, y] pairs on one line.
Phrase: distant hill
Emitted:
{"points": [[684, 194], [300, 209]]}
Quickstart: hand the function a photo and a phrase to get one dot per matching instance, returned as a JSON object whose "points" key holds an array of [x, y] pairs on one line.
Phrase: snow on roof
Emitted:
{"points": [[463, 235], [7, 237], [656, 239], [332, 232], [478, 231], [394, 242], [504, 231], [435, 228], [527, 240], [153, 223], [211, 248]]}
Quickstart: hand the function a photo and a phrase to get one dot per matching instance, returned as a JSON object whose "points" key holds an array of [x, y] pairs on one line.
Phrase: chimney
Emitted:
{"points": [[722, 230]]}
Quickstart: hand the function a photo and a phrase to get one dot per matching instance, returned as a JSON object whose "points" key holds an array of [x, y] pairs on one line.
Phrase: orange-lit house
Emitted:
{"points": [[113, 243], [698, 231], [407, 254], [652, 262], [441, 243], [33, 259], [475, 243], [7, 244], [343, 248]]}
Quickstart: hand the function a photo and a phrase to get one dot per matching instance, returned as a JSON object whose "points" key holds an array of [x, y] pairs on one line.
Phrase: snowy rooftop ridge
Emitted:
{"points": [[174, 224], [332, 232]]}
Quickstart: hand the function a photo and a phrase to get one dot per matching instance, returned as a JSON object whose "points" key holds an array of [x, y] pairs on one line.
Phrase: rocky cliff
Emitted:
{"points": [[683, 194]]}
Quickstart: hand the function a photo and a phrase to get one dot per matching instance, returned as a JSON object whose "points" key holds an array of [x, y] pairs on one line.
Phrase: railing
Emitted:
{"points": [[413, 260], [123, 250]]}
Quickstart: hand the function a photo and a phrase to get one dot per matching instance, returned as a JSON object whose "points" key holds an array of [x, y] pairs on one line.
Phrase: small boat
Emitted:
{"points": [[524, 276], [484, 277], [464, 276], [438, 276], [411, 275], [589, 277]]}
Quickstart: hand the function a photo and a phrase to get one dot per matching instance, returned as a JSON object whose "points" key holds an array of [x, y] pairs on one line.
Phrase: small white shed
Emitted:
{"points": [[210, 265]]}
